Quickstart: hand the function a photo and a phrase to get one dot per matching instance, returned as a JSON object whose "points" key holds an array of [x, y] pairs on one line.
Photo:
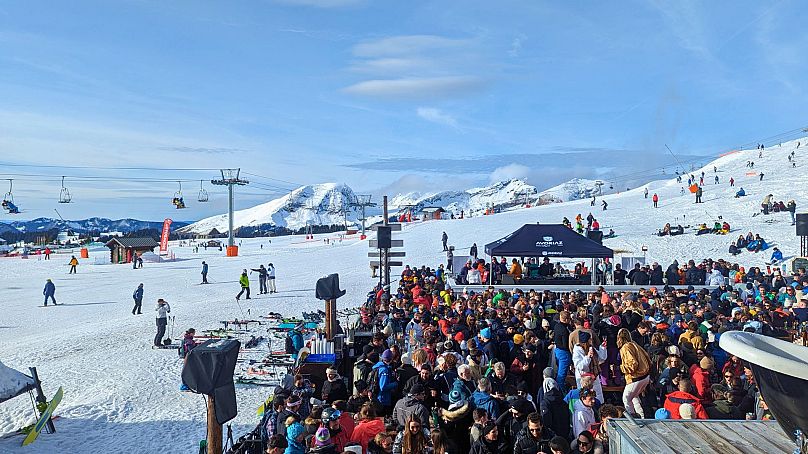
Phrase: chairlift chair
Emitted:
{"points": [[177, 201], [203, 194], [64, 194], [8, 200]]}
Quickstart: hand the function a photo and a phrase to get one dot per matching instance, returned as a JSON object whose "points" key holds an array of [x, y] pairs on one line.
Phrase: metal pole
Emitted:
{"points": [[230, 239], [363, 219], [383, 254], [40, 397]]}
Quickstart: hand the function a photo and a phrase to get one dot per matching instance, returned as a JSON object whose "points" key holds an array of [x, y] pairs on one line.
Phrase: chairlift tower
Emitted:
{"points": [[362, 201], [230, 178]]}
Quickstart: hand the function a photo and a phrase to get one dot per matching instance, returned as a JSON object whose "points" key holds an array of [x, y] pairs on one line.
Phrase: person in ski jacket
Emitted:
{"points": [[162, 310], [387, 381], [138, 297], [715, 278], [271, 278], [74, 262], [188, 342], [655, 199], [683, 396], [777, 256], [262, 278], [49, 291], [244, 281], [295, 437], [296, 336], [204, 272], [444, 238]]}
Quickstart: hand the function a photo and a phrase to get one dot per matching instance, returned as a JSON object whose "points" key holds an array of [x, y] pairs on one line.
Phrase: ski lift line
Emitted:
{"points": [[273, 179], [159, 169], [40, 177]]}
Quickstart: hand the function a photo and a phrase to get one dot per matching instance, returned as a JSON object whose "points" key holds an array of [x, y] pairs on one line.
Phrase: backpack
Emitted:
{"points": [[373, 382], [290, 346]]}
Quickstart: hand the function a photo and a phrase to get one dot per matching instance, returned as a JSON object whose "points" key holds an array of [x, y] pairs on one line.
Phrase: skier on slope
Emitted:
{"points": [[271, 278], [604, 205], [74, 262], [655, 199], [244, 281], [49, 291], [645, 193], [204, 271], [138, 297], [262, 278]]}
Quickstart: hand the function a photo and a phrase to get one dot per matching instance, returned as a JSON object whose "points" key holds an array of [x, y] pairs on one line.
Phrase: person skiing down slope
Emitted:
{"points": [[49, 291]]}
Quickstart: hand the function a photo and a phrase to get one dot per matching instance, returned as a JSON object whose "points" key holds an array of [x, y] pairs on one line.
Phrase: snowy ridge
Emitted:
{"points": [[502, 195], [575, 189]]}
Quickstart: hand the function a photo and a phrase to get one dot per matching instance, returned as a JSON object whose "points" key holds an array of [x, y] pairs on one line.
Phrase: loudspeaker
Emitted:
{"points": [[595, 235], [209, 370], [384, 237], [328, 288], [802, 224]]}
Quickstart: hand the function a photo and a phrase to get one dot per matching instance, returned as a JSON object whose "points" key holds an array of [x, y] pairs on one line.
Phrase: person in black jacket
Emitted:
{"points": [[489, 441], [656, 274], [619, 275], [535, 437], [561, 339], [672, 273], [555, 413], [640, 276], [633, 271], [334, 387]]}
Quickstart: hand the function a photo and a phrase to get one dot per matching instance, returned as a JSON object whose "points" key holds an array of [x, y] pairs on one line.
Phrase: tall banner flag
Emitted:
{"points": [[164, 235]]}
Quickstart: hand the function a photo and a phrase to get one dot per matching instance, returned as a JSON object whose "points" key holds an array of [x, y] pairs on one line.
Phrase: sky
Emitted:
{"points": [[122, 97]]}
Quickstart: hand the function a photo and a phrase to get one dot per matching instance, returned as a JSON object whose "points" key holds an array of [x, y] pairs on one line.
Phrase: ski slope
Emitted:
{"points": [[122, 396]]}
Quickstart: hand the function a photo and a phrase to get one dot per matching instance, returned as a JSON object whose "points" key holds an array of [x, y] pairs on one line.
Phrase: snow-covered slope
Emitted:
{"points": [[122, 396], [319, 204], [502, 196]]}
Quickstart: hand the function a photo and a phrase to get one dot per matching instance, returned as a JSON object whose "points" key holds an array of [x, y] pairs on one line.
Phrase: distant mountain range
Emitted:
{"points": [[331, 204], [84, 225]]}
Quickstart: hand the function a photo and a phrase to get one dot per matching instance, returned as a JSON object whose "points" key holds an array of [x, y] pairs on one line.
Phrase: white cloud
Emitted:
{"points": [[416, 88], [406, 45], [516, 45], [437, 116], [509, 172]]}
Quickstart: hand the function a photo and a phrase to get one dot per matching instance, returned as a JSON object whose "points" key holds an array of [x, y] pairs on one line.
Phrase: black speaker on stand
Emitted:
{"points": [[595, 235], [384, 237], [802, 232]]}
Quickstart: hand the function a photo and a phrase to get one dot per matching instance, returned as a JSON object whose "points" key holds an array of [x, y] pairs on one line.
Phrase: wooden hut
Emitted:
{"points": [[432, 213], [122, 250]]}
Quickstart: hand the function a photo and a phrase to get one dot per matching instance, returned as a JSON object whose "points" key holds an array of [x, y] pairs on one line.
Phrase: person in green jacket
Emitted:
{"points": [[245, 285]]}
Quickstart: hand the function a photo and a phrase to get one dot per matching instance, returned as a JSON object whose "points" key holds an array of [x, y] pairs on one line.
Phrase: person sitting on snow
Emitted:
{"points": [[777, 256], [703, 229], [740, 193]]}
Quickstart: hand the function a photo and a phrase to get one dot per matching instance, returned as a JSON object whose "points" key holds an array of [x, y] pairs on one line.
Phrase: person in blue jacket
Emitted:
{"points": [[49, 291], [296, 334], [138, 297], [387, 382], [777, 256], [482, 398]]}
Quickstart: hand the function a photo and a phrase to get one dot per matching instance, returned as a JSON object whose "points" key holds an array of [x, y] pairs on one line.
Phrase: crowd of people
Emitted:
{"points": [[513, 371]]}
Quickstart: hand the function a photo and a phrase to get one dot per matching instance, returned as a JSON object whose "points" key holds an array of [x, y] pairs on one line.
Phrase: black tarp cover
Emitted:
{"points": [[547, 240], [209, 370]]}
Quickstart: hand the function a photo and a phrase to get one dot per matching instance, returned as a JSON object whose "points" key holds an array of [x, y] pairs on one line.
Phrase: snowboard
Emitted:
{"points": [[46, 415]]}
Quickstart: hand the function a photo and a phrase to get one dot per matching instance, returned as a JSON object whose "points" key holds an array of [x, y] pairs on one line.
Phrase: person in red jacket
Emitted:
{"points": [[656, 200], [700, 375], [683, 396]]}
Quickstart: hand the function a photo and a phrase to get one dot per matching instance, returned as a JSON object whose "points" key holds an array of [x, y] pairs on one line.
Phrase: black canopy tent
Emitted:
{"points": [[547, 240]]}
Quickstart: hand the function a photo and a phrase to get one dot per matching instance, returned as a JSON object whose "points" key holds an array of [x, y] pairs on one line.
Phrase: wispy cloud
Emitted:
{"points": [[516, 45], [416, 67], [686, 21], [437, 116], [205, 150], [509, 172], [417, 88]]}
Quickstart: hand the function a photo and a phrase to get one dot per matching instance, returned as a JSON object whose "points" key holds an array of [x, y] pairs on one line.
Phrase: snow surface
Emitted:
{"points": [[122, 396]]}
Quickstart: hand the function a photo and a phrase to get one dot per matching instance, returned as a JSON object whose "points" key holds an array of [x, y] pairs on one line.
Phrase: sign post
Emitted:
{"points": [[164, 235]]}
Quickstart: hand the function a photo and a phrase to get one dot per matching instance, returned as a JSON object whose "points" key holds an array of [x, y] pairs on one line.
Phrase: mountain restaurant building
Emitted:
{"points": [[123, 250]]}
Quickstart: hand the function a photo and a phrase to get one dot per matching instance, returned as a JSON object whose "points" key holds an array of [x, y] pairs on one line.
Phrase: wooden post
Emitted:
{"points": [[214, 430], [330, 319]]}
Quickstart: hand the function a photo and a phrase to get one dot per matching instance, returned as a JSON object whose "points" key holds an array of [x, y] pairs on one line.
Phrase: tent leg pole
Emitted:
{"points": [[40, 397]]}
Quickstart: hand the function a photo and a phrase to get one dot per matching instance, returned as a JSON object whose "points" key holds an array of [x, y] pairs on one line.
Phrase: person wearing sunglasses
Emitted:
{"points": [[585, 443]]}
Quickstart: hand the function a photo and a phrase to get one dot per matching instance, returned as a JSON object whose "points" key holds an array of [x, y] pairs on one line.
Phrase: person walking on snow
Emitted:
{"points": [[655, 199], [716, 179], [49, 291], [445, 238], [262, 279], [73, 264], [731, 182], [244, 281], [204, 272], [698, 195], [473, 251], [271, 278], [604, 205], [138, 297], [761, 176], [791, 206], [162, 320], [646, 193]]}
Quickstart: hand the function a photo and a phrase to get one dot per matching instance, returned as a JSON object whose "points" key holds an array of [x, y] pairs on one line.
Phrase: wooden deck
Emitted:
{"points": [[697, 436]]}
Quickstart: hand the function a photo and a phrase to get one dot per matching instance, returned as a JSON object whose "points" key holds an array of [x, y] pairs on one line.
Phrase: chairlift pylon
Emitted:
{"points": [[64, 194], [177, 201], [203, 194]]}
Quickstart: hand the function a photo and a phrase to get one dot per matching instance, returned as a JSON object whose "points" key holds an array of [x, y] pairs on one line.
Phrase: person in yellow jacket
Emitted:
{"points": [[516, 270], [636, 368], [244, 281], [73, 263]]}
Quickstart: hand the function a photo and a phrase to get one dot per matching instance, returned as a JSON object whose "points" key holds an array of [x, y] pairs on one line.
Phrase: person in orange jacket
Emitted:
{"points": [[700, 375], [683, 396]]}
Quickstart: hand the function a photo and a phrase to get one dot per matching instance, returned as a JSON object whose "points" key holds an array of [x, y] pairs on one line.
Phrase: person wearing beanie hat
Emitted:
{"points": [[412, 406], [386, 382], [687, 411], [700, 376], [489, 441], [295, 436], [334, 387], [518, 339], [661, 413], [322, 442]]}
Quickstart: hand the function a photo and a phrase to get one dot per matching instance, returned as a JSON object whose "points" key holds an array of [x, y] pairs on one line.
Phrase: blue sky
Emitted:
{"points": [[385, 96]]}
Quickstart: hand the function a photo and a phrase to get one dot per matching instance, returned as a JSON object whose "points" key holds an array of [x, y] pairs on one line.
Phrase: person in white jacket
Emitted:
{"points": [[162, 320], [473, 276], [271, 278], [585, 360], [584, 414], [715, 278]]}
